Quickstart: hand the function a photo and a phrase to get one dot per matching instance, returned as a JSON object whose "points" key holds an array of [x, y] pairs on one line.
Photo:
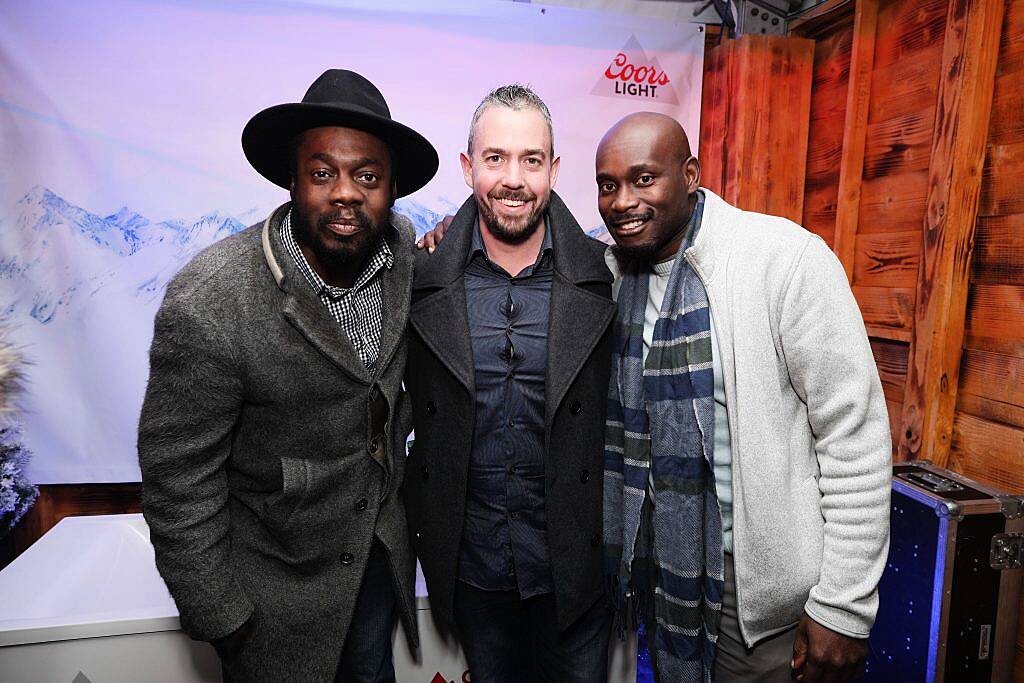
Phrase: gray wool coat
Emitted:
{"points": [[260, 492], [440, 382]]}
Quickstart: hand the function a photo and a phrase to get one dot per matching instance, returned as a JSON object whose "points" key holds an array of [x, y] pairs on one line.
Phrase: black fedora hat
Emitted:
{"points": [[338, 98]]}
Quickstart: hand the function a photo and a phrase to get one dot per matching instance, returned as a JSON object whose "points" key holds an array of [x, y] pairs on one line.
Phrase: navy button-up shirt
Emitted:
{"points": [[504, 540]]}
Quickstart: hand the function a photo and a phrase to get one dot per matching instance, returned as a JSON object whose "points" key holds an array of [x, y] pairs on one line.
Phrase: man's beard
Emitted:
{"points": [[643, 252], [513, 230], [330, 251]]}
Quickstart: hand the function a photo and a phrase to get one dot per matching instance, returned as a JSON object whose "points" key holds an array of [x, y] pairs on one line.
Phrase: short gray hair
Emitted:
{"points": [[516, 97]]}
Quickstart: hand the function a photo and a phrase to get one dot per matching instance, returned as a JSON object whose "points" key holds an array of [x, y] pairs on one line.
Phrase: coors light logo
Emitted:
{"points": [[632, 74]]}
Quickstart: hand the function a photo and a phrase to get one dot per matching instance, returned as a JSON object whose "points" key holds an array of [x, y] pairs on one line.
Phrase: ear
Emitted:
{"points": [[467, 168], [556, 164], [692, 172]]}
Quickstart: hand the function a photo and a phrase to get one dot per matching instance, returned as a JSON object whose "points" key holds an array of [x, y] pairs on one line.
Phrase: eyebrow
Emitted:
{"points": [[503, 152], [359, 163]]}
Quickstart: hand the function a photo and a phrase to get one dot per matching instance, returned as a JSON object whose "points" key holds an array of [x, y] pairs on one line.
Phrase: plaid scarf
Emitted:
{"points": [[661, 420]]}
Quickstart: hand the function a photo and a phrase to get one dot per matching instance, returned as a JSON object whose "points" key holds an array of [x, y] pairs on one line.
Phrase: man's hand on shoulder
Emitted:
{"points": [[821, 654], [434, 237]]}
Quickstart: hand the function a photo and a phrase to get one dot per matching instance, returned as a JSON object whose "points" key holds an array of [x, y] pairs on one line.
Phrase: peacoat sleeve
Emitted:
{"points": [[192, 402], [832, 369]]}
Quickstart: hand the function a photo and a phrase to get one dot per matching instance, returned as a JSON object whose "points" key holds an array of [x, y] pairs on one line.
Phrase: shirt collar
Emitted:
{"points": [[382, 258]]}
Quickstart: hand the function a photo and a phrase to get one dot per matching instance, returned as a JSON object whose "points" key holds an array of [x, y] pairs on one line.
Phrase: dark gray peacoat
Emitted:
{"points": [[440, 383], [259, 487]]}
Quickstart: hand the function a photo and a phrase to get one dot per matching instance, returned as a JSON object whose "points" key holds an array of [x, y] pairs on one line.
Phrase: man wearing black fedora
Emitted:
{"points": [[271, 440]]}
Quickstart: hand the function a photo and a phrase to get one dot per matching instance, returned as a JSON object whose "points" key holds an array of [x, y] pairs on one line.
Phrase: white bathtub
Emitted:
{"points": [[85, 604]]}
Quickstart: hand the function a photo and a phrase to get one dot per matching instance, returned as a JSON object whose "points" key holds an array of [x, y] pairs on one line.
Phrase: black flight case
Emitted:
{"points": [[949, 597]]}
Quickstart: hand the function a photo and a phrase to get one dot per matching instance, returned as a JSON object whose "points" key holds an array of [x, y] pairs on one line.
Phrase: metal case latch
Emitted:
{"points": [[1011, 506], [1007, 551]]}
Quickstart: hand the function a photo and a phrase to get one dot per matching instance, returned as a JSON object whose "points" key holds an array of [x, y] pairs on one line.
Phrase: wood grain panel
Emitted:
{"points": [[1003, 180], [893, 204], [969, 56], [995, 319], [894, 411], [1008, 109], [855, 133], [908, 27], [891, 359], [905, 86], [996, 377], [887, 259], [999, 251], [766, 141], [886, 307], [899, 145], [989, 452], [714, 119]]}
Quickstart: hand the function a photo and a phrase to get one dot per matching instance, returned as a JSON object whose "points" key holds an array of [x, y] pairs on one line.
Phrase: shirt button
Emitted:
{"points": [[362, 505], [511, 422], [584, 476], [511, 469], [514, 515], [347, 558]]}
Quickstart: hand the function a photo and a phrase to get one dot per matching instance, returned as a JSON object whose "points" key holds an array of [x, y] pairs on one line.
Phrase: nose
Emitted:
{"points": [[623, 201], [345, 191], [513, 177]]}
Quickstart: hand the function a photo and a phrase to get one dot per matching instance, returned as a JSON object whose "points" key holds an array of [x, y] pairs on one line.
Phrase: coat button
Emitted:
{"points": [[584, 476], [431, 408], [347, 558], [576, 407], [424, 472], [362, 505], [595, 541], [418, 537], [373, 445]]}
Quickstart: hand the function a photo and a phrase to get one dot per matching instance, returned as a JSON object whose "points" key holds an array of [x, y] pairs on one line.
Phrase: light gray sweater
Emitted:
{"points": [[812, 455]]}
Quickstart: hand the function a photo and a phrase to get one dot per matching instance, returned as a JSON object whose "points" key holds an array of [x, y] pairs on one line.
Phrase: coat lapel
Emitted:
{"points": [[438, 313], [578, 317], [396, 290], [302, 309]]}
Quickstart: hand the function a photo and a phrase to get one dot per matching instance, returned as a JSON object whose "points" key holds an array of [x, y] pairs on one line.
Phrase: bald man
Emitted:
{"points": [[747, 448]]}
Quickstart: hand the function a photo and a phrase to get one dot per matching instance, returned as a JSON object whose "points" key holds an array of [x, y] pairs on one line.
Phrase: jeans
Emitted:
{"points": [[366, 657], [510, 640]]}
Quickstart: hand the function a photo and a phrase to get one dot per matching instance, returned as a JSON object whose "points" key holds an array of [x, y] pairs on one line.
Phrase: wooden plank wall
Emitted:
{"points": [[987, 430], [755, 121], [988, 425]]}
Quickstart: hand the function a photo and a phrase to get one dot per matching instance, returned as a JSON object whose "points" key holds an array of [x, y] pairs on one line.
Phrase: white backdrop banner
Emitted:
{"points": [[120, 124]]}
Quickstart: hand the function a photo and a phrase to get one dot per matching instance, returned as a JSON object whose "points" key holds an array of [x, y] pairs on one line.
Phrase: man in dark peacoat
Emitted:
{"points": [[271, 450], [442, 368]]}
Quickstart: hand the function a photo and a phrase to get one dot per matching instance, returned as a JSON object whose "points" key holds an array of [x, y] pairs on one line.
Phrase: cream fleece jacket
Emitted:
{"points": [[812, 455]]}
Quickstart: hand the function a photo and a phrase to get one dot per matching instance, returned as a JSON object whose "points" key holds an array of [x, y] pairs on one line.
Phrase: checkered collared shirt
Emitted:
{"points": [[358, 310]]}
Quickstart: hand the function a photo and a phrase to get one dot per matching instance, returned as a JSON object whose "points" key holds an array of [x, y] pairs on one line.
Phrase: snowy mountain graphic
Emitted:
{"points": [[55, 256], [80, 290]]}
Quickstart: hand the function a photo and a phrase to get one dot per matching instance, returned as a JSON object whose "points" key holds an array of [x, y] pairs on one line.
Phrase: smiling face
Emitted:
{"points": [[342, 191], [646, 185], [510, 169]]}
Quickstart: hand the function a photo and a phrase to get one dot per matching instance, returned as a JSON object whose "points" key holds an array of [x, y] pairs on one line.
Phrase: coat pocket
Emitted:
{"points": [[295, 482]]}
